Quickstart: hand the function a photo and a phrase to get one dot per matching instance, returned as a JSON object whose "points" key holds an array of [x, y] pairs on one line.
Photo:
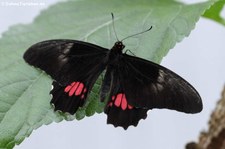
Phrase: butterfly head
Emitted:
{"points": [[119, 46]]}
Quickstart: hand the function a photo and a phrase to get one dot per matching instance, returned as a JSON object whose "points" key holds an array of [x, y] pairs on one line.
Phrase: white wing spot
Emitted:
{"points": [[159, 87], [62, 57], [67, 48], [66, 51], [161, 76]]}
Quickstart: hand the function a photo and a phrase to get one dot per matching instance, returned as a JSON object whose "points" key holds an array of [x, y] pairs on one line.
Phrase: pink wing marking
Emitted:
{"points": [[77, 89], [120, 100], [74, 88]]}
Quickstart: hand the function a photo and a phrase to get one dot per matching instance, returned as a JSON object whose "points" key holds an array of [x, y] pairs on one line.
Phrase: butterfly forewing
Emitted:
{"points": [[65, 60], [149, 85]]}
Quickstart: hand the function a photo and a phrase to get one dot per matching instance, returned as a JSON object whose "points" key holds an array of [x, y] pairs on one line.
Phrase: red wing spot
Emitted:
{"points": [[124, 102], [83, 93], [118, 100], [68, 88], [73, 89], [130, 107], [113, 97], [82, 96], [79, 89]]}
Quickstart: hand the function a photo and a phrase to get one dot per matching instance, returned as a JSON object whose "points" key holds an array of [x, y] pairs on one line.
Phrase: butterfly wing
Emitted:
{"points": [[119, 111], [74, 65], [65, 60], [149, 85]]}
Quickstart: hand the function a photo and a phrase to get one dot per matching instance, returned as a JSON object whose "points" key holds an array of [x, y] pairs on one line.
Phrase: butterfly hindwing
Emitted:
{"points": [[149, 85], [119, 111], [74, 65], [68, 98]]}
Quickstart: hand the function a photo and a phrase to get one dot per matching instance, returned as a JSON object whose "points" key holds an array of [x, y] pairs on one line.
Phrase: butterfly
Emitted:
{"points": [[131, 85]]}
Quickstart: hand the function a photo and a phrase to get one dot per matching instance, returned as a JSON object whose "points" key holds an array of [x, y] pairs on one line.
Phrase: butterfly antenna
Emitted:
{"points": [[137, 33], [114, 27]]}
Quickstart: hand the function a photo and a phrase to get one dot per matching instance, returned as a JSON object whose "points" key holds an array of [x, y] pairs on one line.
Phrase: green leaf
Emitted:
{"points": [[214, 12], [24, 90]]}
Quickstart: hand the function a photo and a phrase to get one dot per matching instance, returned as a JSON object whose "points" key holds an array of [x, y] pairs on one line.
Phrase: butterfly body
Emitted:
{"points": [[131, 85]]}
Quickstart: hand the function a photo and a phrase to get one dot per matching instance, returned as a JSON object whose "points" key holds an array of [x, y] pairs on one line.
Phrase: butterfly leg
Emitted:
{"points": [[130, 52]]}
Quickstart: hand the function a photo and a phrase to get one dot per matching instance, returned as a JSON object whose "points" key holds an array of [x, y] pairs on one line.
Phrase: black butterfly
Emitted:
{"points": [[131, 85]]}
